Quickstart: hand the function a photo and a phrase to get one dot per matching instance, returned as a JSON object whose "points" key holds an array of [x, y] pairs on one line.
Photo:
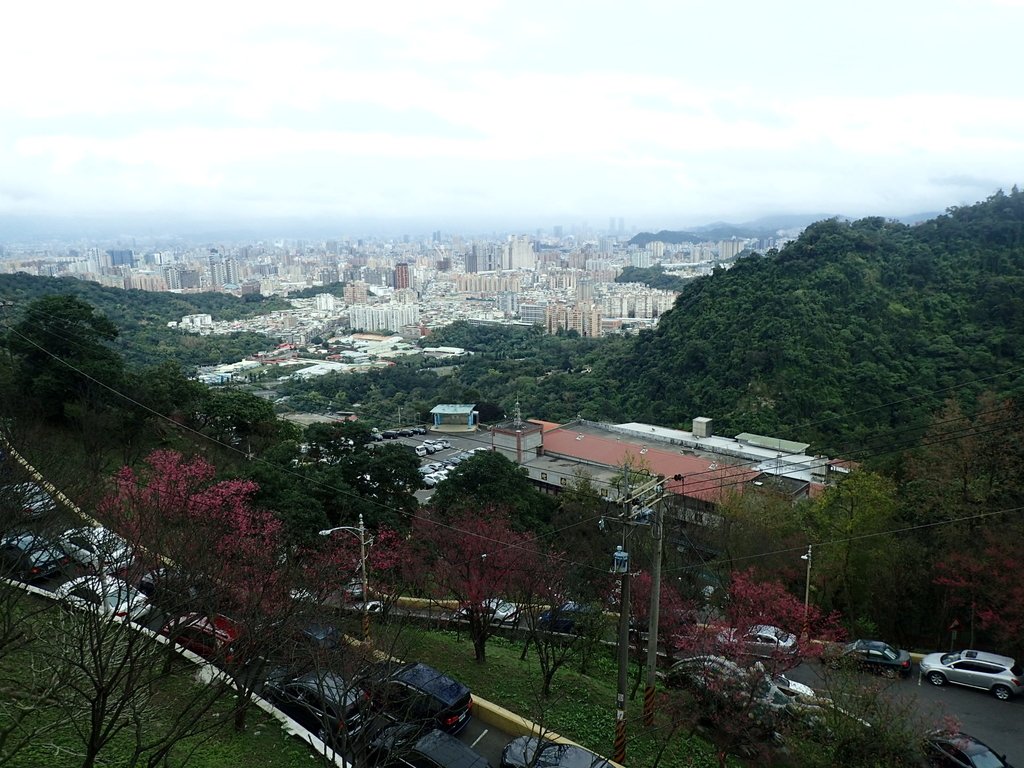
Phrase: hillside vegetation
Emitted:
{"points": [[851, 329]]}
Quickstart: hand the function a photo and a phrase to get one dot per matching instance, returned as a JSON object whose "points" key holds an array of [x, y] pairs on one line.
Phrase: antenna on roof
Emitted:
{"points": [[518, 416]]}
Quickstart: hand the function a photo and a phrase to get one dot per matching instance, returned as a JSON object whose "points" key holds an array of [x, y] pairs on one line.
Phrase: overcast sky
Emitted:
{"points": [[666, 114]]}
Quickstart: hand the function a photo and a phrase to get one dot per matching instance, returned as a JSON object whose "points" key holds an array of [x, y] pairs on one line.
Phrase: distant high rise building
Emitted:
{"points": [[729, 249], [622, 226], [521, 254], [172, 278], [401, 276], [533, 313], [641, 259], [356, 293], [324, 302], [189, 278], [121, 257]]}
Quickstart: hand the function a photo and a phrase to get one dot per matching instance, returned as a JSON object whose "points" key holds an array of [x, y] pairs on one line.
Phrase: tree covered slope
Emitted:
{"points": [[851, 329]]}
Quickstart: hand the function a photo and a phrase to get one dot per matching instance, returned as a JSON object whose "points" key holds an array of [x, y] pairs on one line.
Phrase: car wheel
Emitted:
{"points": [[1002, 693], [936, 678]]}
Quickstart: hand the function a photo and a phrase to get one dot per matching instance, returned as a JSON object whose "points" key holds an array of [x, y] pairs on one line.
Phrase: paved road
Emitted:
{"points": [[1000, 724]]}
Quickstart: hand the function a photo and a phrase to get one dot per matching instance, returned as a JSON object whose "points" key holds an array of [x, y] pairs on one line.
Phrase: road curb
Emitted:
{"points": [[505, 720]]}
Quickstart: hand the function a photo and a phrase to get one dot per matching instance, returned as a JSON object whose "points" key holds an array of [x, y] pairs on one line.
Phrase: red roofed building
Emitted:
{"points": [[701, 478]]}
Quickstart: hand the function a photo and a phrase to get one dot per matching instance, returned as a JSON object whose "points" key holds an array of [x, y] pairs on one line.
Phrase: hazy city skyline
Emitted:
{"points": [[664, 114]]}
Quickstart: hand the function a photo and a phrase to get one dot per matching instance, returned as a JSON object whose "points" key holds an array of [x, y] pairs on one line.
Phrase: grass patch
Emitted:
{"points": [[581, 706], [28, 709]]}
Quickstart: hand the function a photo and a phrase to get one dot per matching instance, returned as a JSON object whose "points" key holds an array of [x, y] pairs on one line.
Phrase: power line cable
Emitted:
{"points": [[381, 504]]}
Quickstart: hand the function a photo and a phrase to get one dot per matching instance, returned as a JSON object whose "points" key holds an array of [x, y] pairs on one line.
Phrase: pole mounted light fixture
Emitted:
{"points": [[364, 542]]}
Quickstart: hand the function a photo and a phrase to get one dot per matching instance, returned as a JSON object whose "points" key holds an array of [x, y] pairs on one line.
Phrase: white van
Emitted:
{"points": [[421, 450]]}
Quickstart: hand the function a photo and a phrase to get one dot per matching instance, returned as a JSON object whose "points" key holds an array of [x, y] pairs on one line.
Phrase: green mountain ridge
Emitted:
{"points": [[853, 330]]}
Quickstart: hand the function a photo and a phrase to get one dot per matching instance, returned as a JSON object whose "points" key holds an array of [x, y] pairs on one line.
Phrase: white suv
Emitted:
{"points": [[975, 669]]}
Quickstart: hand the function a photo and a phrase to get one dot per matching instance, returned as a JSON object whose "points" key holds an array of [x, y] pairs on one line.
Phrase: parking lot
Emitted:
{"points": [[458, 444]]}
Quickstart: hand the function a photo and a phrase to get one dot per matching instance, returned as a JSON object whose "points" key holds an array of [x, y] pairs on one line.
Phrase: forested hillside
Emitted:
{"points": [[851, 329], [142, 317]]}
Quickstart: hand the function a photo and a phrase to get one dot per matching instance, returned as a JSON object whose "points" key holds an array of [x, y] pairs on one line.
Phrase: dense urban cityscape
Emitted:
{"points": [[410, 286]]}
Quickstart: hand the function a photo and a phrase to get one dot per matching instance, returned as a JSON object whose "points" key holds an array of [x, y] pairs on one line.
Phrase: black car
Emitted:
{"points": [[322, 702], [29, 557], [175, 590], [389, 434], [570, 618], [306, 646], [534, 752], [874, 656], [419, 694], [944, 749], [408, 746], [405, 433]]}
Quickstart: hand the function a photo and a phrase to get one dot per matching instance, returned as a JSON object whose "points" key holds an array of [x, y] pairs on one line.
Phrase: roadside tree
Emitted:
{"points": [[229, 553], [473, 559]]}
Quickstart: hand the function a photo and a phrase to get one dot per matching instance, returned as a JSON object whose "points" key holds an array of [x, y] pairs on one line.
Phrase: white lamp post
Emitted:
{"points": [[807, 588], [359, 532]]}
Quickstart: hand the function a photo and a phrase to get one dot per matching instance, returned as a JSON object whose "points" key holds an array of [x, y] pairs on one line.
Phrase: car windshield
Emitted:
{"points": [[40, 556], [985, 758], [949, 658], [119, 595]]}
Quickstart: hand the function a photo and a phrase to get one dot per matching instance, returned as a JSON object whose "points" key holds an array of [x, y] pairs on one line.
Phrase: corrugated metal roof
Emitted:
{"points": [[773, 443], [453, 408], [703, 478]]}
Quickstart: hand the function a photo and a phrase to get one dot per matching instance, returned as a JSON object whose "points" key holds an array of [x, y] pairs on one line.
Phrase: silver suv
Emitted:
{"points": [[976, 669]]}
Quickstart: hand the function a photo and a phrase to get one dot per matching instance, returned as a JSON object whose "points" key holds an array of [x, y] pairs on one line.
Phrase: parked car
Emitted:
{"points": [[213, 637], [443, 443], [29, 500], [762, 640], [434, 478], [945, 749], [389, 434], [419, 430], [30, 557], [874, 656], [421, 450], [174, 589], [532, 751], [105, 595], [700, 671], [405, 432], [96, 548], [569, 617], [417, 693], [407, 746], [322, 702], [719, 683], [495, 610], [976, 669]]}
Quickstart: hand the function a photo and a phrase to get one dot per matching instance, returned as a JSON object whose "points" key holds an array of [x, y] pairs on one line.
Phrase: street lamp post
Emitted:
{"points": [[807, 589], [359, 532]]}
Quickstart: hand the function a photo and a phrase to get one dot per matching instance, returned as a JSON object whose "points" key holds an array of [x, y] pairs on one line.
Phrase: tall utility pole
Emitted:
{"points": [[620, 565], [658, 533]]}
